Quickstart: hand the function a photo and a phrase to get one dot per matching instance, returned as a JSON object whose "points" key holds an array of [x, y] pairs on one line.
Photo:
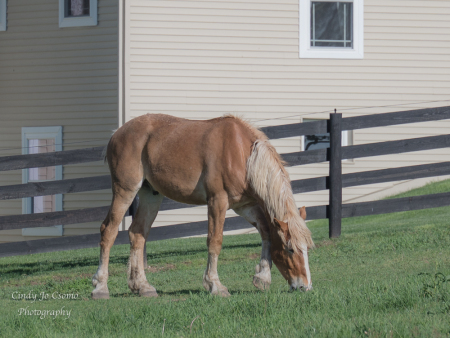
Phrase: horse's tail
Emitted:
{"points": [[104, 154], [270, 181], [104, 151]]}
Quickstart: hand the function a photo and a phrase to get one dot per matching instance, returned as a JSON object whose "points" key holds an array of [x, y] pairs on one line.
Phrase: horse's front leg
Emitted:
{"points": [[255, 216], [217, 207], [263, 278]]}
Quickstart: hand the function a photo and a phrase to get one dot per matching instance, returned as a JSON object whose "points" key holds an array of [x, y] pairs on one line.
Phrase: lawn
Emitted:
{"points": [[386, 276]]}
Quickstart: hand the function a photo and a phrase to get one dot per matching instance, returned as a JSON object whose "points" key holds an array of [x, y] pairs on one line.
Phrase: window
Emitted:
{"points": [[3, 15], [331, 29], [74, 13], [331, 24], [322, 141], [38, 140]]}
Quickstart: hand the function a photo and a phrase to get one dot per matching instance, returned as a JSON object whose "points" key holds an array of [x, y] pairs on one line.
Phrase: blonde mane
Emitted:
{"points": [[270, 180]]}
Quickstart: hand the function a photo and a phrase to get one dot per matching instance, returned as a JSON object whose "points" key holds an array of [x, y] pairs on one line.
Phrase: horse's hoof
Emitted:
{"points": [[100, 294], [221, 293], [148, 293], [224, 294], [260, 284]]}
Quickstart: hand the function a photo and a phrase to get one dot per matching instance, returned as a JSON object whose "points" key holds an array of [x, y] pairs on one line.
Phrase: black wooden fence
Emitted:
{"points": [[335, 211]]}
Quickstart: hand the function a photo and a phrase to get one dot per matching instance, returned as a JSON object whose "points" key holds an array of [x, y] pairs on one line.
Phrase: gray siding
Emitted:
{"points": [[58, 76]]}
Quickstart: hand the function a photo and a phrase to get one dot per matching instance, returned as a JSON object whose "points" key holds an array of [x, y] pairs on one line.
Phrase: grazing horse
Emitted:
{"points": [[224, 163]]}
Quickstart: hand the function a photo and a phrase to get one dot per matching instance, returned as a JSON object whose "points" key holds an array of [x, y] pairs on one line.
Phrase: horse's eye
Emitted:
{"points": [[291, 251]]}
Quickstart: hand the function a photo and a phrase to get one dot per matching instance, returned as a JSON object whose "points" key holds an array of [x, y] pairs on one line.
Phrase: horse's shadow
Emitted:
{"points": [[184, 292], [203, 292], [9, 271]]}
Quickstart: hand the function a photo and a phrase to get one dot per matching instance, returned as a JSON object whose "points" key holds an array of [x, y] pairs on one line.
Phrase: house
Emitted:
{"points": [[272, 63]]}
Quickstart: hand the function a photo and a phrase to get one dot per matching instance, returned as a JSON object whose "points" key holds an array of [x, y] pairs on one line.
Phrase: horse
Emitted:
{"points": [[224, 163]]}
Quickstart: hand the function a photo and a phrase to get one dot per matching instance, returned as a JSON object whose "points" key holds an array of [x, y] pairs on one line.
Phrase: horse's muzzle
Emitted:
{"points": [[301, 288]]}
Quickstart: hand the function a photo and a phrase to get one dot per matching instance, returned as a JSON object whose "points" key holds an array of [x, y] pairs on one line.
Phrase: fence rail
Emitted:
{"points": [[384, 206], [50, 159], [231, 223], [334, 182], [370, 149], [298, 186], [359, 122]]}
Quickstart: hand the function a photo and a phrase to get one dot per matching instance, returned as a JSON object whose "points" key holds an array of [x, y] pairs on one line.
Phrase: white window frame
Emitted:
{"points": [[3, 10], [89, 20], [29, 133], [308, 52]]}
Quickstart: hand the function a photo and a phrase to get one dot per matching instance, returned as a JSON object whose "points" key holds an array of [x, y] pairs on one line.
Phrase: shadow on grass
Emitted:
{"points": [[13, 270], [181, 292], [198, 292], [185, 292], [204, 292]]}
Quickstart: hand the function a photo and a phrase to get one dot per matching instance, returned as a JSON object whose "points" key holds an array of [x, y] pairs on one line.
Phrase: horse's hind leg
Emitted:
{"points": [[217, 207], [255, 216], [121, 201], [149, 202]]}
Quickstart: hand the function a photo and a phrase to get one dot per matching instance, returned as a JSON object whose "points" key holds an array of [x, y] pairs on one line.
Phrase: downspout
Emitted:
{"points": [[121, 64]]}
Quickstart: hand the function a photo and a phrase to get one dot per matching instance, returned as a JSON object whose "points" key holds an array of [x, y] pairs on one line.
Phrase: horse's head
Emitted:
{"points": [[293, 265]]}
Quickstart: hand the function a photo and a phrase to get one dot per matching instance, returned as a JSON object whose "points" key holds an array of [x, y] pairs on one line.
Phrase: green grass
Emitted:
{"points": [[387, 276]]}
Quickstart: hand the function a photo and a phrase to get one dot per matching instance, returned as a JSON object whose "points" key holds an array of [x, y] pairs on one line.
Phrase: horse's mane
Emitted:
{"points": [[270, 181]]}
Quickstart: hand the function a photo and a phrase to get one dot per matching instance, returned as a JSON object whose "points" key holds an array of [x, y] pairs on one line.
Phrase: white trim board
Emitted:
{"points": [[3, 15]]}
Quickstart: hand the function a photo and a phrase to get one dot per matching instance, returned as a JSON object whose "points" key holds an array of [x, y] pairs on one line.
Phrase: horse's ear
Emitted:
{"points": [[302, 212], [281, 225]]}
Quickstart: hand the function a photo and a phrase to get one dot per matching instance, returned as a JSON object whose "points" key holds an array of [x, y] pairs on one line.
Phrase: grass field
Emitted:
{"points": [[387, 276]]}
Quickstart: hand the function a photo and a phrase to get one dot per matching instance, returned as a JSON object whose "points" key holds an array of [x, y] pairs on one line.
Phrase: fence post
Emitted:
{"points": [[335, 183], [132, 212]]}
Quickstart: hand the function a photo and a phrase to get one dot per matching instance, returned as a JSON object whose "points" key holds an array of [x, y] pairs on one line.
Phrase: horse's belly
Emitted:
{"points": [[182, 190], [185, 196]]}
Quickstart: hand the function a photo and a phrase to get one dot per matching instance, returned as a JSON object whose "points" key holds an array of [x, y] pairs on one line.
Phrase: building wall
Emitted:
{"points": [[51, 76], [203, 59]]}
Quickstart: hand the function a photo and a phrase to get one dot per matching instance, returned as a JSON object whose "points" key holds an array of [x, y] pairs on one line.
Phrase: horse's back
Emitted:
{"points": [[189, 160]]}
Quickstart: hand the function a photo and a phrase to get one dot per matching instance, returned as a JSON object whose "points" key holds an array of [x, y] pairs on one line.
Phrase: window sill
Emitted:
{"points": [[330, 53], [82, 21]]}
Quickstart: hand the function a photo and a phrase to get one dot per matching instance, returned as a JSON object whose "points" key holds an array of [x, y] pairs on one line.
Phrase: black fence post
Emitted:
{"points": [[335, 183]]}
